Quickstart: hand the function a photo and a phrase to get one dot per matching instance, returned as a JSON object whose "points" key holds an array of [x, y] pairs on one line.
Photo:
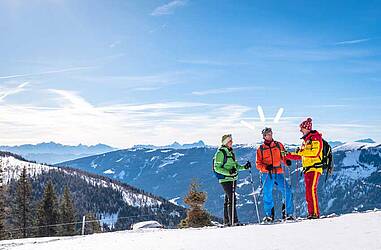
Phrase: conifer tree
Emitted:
{"points": [[196, 215], [47, 213], [67, 213], [92, 224], [23, 207]]}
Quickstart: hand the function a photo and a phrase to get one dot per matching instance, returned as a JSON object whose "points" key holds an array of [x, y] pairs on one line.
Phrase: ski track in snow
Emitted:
{"points": [[351, 231]]}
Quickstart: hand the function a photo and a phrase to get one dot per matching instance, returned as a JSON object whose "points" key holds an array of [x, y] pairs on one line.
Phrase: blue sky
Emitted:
{"points": [[133, 72]]}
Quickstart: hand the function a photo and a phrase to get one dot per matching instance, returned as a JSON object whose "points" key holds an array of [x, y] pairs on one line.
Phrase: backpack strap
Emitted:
{"points": [[262, 149], [280, 149], [225, 157]]}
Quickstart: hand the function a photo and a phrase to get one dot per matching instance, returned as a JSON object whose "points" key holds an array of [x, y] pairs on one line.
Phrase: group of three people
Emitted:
{"points": [[269, 159]]}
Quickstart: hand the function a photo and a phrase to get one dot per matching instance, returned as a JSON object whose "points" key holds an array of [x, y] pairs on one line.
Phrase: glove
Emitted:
{"points": [[297, 150], [288, 163], [247, 165], [269, 168], [233, 171]]}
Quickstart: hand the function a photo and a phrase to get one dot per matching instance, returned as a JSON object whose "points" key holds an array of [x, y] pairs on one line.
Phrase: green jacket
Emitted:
{"points": [[230, 164]]}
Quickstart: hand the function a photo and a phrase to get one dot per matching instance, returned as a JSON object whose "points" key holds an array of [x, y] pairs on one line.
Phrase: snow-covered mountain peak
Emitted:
{"points": [[353, 146]]}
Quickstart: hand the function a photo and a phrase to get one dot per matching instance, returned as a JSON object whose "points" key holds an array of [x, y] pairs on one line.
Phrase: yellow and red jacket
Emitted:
{"points": [[311, 151], [271, 154]]}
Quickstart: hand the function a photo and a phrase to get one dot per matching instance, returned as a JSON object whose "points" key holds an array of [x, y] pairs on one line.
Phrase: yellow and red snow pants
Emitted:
{"points": [[311, 180]]}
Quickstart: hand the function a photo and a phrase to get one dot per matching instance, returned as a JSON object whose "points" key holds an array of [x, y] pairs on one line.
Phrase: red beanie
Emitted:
{"points": [[307, 124]]}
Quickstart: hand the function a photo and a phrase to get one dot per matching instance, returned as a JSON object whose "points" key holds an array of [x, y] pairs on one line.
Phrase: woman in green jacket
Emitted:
{"points": [[226, 168]]}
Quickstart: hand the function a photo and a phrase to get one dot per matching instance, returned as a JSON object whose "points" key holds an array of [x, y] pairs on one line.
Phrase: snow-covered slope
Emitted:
{"points": [[351, 146], [107, 198], [352, 231], [12, 168]]}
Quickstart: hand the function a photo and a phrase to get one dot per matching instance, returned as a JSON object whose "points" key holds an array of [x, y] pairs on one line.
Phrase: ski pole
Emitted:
{"points": [[254, 196], [285, 192], [293, 197], [233, 203], [263, 184], [297, 179]]}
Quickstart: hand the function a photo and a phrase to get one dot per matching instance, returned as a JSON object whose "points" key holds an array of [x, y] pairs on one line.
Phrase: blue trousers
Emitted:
{"points": [[268, 185]]}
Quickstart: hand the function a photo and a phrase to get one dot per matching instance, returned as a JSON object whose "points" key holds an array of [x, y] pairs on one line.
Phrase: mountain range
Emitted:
{"points": [[175, 145], [354, 185], [51, 152]]}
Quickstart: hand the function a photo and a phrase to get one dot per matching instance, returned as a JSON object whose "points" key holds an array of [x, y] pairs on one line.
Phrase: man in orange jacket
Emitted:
{"points": [[270, 156], [311, 154]]}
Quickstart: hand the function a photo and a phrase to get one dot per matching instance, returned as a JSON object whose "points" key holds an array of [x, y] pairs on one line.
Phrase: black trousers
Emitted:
{"points": [[228, 189]]}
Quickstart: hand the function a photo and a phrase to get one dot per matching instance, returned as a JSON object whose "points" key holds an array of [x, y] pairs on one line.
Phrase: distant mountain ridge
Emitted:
{"points": [[51, 152], [175, 145], [368, 140]]}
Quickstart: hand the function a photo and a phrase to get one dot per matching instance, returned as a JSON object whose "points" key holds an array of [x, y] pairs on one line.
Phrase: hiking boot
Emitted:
{"points": [[289, 218], [268, 219], [312, 217]]}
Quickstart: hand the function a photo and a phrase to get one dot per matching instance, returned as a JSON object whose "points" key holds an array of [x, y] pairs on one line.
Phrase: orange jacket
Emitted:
{"points": [[273, 154]]}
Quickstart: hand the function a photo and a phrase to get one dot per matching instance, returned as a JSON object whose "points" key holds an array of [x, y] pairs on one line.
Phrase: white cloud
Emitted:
{"points": [[5, 92], [353, 41], [279, 53], [211, 62], [45, 72], [72, 100], [227, 90], [328, 106], [137, 81], [72, 119], [168, 8], [114, 44]]}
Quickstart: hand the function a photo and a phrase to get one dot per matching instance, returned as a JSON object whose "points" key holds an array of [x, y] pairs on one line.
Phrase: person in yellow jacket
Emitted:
{"points": [[311, 154]]}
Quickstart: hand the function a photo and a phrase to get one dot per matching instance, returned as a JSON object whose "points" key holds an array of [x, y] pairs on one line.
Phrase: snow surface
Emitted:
{"points": [[169, 160], [174, 201], [146, 224], [109, 171], [350, 146], [119, 160], [352, 231], [13, 167]]}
